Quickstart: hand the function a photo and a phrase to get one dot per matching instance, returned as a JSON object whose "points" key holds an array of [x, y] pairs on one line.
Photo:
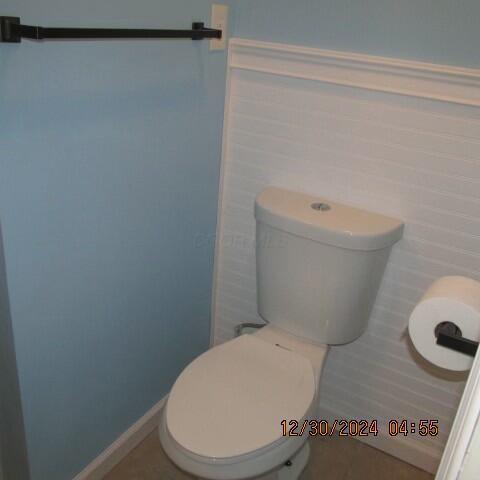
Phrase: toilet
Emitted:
{"points": [[319, 267]]}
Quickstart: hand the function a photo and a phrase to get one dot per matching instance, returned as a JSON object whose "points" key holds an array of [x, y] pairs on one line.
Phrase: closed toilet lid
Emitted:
{"points": [[232, 399]]}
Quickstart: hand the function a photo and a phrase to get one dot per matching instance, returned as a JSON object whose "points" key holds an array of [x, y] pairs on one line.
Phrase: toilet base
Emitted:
{"points": [[293, 471], [299, 462]]}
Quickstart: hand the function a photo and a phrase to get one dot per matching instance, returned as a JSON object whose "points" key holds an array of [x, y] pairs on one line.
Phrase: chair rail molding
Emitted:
{"points": [[404, 77]]}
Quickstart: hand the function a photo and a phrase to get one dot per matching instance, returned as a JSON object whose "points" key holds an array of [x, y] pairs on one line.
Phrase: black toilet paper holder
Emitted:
{"points": [[450, 336]]}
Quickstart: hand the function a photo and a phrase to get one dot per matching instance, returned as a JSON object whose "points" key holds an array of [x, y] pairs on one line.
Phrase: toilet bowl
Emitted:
{"points": [[319, 267], [223, 418]]}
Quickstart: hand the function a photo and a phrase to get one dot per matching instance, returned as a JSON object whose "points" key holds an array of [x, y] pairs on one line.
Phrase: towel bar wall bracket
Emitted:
{"points": [[12, 31]]}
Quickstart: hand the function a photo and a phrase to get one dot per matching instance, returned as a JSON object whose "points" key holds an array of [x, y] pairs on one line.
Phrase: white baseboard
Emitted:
{"points": [[413, 451], [126, 442]]}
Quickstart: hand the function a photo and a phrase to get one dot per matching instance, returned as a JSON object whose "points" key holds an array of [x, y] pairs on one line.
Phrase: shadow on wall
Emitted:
{"points": [[425, 365], [13, 452]]}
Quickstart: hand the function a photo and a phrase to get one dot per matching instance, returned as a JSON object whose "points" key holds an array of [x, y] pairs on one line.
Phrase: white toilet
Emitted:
{"points": [[319, 266]]}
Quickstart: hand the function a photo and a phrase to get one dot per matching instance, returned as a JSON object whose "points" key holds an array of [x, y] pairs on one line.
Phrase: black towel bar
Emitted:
{"points": [[12, 31]]}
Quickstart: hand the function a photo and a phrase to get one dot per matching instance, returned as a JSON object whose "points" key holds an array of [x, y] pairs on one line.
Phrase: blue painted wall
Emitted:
{"points": [[438, 31], [109, 172]]}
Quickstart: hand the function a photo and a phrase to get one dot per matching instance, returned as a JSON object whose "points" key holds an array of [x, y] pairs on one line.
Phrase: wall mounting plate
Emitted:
{"points": [[7, 34], [219, 21]]}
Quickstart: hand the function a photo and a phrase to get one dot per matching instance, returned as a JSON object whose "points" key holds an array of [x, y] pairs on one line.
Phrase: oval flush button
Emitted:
{"points": [[322, 207]]}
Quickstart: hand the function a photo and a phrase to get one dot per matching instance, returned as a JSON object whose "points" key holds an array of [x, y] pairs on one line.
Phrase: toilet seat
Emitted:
{"points": [[229, 403]]}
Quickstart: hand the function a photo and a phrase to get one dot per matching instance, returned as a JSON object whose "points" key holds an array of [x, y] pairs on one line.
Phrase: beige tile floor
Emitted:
{"points": [[335, 458]]}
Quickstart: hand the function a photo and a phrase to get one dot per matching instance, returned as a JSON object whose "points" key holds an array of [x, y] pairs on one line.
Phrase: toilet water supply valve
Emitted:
{"points": [[245, 326]]}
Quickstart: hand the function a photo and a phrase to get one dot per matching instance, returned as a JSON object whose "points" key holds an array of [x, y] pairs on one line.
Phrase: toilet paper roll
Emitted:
{"points": [[449, 299]]}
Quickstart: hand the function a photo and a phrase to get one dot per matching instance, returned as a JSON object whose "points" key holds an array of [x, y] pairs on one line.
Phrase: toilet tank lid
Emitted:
{"points": [[325, 221]]}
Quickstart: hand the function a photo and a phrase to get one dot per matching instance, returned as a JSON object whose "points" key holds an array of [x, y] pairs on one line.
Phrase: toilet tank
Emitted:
{"points": [[319, 264]]}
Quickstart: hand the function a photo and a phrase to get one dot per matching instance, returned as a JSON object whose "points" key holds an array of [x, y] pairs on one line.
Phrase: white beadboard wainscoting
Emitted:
{"points": [[396, 137]]}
